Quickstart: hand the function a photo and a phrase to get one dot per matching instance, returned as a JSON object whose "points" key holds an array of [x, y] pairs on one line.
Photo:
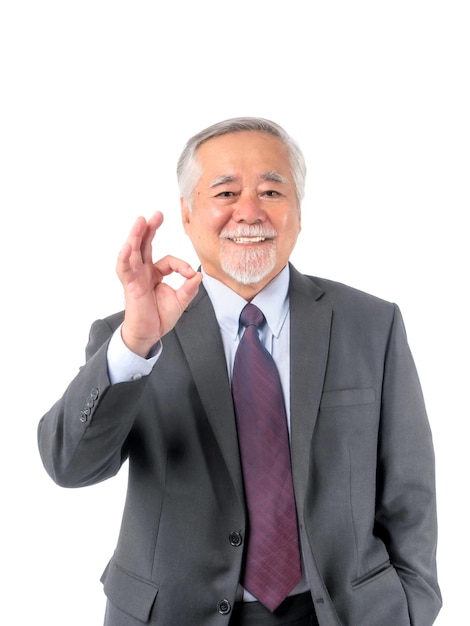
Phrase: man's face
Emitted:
{"points": [[245, 217]]}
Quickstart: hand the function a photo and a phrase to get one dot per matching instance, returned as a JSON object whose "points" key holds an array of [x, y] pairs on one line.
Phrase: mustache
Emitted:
{"points": [[247, 230]]}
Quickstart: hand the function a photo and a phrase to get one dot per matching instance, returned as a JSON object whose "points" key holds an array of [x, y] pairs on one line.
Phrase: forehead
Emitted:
{"points": [[245, 151]]}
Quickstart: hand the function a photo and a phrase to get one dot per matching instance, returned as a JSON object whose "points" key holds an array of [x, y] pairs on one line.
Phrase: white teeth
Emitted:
{"points": [[248, 239]]}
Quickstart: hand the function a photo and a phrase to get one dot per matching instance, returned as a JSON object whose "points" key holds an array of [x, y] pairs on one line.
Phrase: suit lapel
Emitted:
{"points": [[199, 336], [310, 320]]}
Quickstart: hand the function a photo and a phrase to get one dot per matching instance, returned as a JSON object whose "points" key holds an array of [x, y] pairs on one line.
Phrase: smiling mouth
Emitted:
{"points": [[248, 239]]}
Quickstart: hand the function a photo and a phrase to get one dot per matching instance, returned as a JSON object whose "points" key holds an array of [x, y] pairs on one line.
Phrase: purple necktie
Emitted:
{"points": [[272, 566]]}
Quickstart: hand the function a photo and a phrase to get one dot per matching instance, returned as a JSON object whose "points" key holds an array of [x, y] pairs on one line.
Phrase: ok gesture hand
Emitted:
{"points": [[152, 306]]}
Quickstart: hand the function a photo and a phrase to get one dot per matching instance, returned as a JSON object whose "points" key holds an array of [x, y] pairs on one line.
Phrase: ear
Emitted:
{"points": [[185, 215]]}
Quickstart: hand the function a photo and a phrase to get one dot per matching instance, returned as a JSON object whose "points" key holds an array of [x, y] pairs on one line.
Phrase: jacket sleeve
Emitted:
{"points": [[406, 502], [82, 438]]}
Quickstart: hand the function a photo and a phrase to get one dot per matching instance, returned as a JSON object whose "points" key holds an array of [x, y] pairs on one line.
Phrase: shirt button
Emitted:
{"points": [[136, 377], [224, 607]]}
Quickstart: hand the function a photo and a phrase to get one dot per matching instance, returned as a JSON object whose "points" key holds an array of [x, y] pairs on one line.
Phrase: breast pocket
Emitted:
{"points": [[347, 397]]}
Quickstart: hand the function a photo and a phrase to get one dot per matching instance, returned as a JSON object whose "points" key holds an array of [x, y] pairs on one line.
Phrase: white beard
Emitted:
{"points": [[245, 263]]}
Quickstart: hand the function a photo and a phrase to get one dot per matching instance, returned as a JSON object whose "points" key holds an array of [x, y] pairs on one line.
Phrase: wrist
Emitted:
{"points": [[143, 347]]}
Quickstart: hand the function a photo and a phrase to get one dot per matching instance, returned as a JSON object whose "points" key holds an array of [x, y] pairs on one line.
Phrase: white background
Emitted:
{"points": [[97, 100]]}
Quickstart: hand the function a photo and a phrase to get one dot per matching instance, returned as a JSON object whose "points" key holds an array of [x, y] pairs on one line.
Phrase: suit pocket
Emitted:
{"points": [[372, 575], [347, 397], [129, 593]]}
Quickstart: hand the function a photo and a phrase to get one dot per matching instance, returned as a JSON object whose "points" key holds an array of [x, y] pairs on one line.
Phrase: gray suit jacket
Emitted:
{"points": [[362, 462]]}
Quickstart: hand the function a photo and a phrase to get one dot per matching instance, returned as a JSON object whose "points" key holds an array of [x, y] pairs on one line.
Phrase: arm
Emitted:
{"points": [[406, 500], [82, 439]]}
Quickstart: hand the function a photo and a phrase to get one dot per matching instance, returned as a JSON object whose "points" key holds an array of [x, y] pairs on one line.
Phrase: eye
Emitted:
{"points": [[225, 194], [271, 193]]}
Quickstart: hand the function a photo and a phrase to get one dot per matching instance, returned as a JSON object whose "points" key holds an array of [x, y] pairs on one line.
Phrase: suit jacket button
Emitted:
{"points": [[235, 539], [224, 607], [83, 416]]}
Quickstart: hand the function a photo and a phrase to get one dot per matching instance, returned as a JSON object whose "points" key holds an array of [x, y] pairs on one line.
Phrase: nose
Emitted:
{"points": [[249, 209]]}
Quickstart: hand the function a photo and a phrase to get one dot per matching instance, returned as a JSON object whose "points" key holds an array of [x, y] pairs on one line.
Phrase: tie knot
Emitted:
{"points": [[252, 316]]}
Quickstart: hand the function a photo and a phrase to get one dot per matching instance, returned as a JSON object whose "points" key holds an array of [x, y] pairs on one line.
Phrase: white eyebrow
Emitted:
{"points": [[222, 180], [269, 176], [274, 176]]}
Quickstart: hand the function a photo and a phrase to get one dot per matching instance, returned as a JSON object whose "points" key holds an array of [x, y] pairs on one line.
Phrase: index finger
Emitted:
{"points": [[152, 225], [170, 264]]}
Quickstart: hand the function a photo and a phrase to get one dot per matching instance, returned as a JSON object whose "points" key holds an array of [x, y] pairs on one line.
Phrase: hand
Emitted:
{"points": [[152, 307]]}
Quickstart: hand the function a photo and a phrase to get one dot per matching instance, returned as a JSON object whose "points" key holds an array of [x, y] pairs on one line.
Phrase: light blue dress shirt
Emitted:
{"points": [[273, 301]]}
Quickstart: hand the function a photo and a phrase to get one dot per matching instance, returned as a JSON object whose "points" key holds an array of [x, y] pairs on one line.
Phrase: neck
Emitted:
{"points": [[247, 292]]}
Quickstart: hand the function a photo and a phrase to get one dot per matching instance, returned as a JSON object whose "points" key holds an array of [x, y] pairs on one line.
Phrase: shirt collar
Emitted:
{"points": [[272, 300]]}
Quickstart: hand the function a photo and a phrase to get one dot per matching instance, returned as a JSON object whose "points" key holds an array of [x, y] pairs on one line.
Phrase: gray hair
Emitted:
{"points": [[189, 169]]}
